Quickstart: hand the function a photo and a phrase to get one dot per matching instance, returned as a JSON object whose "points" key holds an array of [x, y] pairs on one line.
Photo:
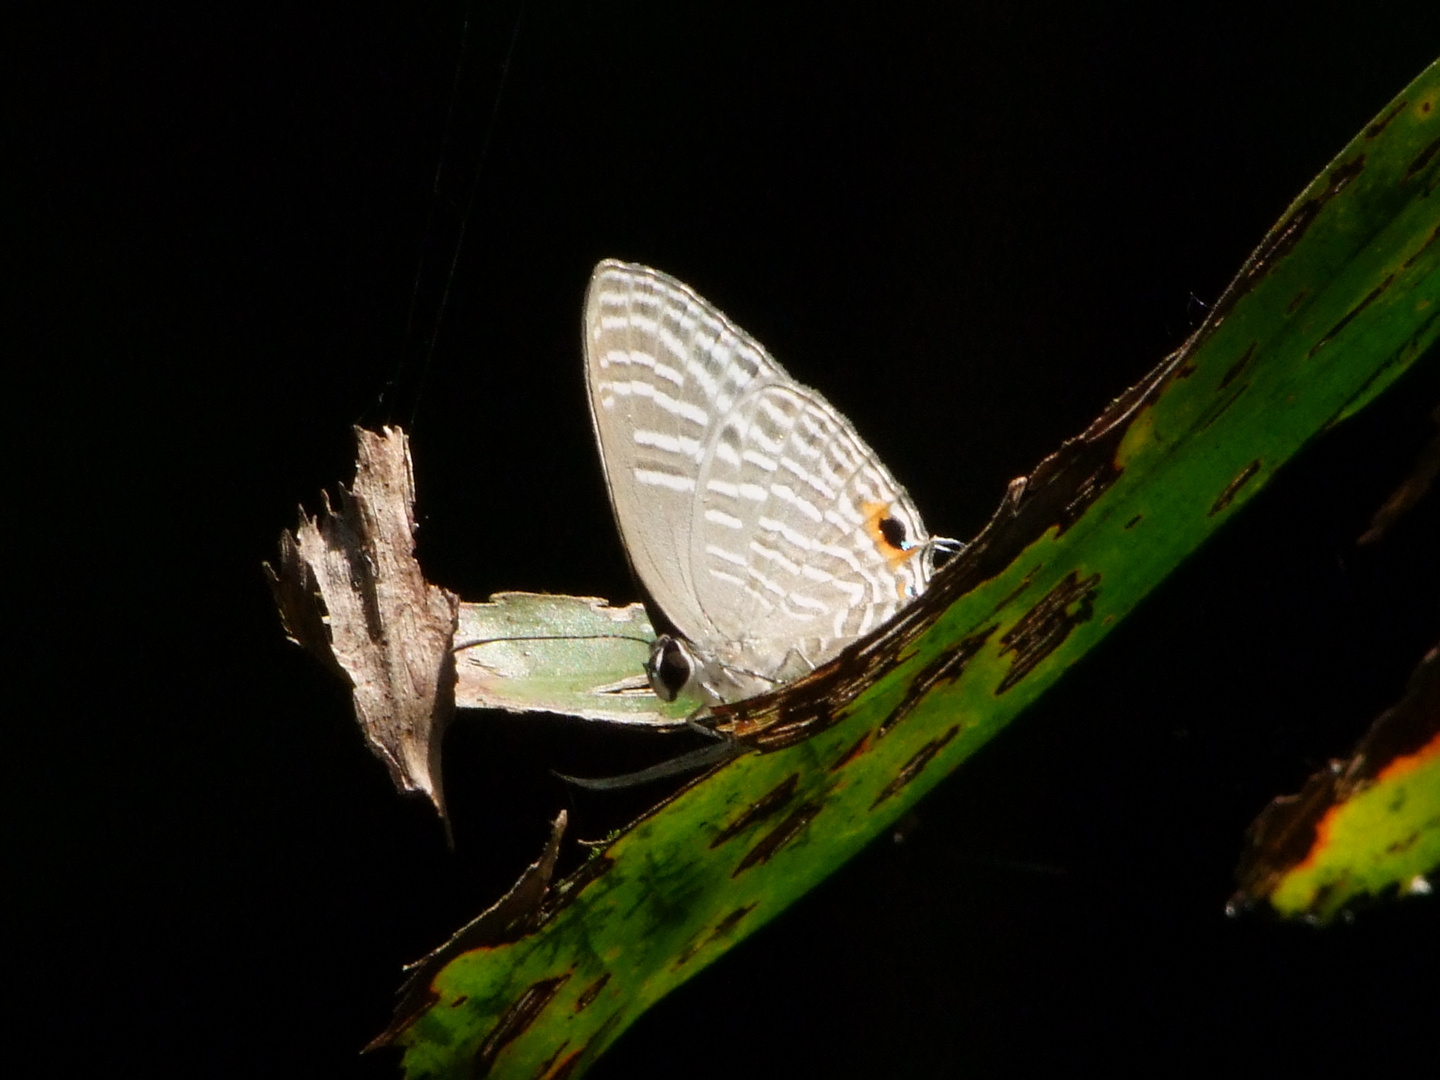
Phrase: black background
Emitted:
{"points": [[970, 225]]}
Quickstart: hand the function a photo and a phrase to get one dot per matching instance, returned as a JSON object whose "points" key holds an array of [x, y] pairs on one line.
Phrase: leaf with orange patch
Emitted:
{"points": [[1366, 827]]}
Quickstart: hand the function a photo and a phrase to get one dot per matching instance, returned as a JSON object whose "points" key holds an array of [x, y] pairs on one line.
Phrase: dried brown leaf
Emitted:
{"points": [[351, 592]]}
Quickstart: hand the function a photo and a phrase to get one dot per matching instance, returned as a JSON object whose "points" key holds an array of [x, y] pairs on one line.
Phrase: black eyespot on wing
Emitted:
{"points": [[668, 667], [893, 530]]}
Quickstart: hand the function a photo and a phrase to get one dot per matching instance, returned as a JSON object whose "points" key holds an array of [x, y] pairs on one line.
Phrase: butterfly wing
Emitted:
{"points": [[801, 540], [755, 515], [663, 367]]}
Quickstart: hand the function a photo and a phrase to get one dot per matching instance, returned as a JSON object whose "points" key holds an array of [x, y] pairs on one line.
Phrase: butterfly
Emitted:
{"points": [[764, 528]]}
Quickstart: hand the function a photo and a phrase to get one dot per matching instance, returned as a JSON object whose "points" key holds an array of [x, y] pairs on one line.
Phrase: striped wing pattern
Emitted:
{"points": [[785, 540], [757, 518]]}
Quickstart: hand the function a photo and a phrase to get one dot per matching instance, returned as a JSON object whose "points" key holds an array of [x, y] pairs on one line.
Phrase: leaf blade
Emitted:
{"points": [[1330, 309]]}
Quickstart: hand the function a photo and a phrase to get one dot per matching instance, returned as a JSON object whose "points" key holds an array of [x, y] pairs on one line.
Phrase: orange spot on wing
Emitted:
{"points": [[875, 513]]}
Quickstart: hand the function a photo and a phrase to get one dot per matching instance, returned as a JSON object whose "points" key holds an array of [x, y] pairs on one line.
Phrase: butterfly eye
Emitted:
{"points": [[669, 667]]}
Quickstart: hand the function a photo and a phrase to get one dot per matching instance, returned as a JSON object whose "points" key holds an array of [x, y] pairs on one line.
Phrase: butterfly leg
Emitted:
{"points": [[717, 753]]}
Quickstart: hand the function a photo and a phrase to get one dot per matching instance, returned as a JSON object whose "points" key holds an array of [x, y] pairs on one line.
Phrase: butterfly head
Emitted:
{"points": [[670, 667]]}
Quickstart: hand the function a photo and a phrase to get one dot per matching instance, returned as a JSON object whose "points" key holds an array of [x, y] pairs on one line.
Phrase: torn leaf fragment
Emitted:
{"points": [[350, 591]]}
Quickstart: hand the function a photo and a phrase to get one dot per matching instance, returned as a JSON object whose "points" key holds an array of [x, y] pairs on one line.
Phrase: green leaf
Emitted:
{"points": [[1362, 828], [1338, 300]]}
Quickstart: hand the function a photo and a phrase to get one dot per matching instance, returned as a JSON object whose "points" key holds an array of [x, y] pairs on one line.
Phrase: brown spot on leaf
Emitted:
{"points": [[722, 929], [1403, 845], [1374, 130], [1042, 629], [1217, 409], [549, 1062], [1134, 521], [1434, 233], [1423, 158], [1232, 489], [514, 1020], [1294, 304], [778, 837], [571, 1063], [1090, 489], [1349, 315], [725, 925], [942, 669], [795, 726], [590, 993], [916, 765], [766, 806], [851, 754], [1233, 372]]}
